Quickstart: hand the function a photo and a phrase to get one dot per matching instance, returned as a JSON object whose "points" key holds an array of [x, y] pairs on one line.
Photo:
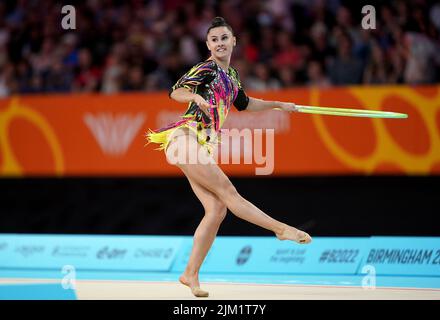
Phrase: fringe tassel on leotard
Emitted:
{"points": [[163, 137]]}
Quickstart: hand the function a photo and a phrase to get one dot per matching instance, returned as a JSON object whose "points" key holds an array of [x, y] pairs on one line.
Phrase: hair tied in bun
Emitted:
{"points": [[219, 22]]}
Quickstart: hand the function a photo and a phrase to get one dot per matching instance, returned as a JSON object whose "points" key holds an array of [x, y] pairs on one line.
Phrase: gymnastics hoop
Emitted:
{"points": [[349, 112]]}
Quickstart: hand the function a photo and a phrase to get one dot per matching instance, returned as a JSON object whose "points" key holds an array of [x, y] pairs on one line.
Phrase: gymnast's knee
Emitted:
{"points": [[217, 212], [227, 191]]}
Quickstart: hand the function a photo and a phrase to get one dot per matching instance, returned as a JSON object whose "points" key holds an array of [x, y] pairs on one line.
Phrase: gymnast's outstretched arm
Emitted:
{"points": [[256, 104]]}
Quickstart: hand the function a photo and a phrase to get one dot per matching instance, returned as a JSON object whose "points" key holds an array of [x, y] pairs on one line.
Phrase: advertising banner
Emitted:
{"points": [[94, 135], [397, 256], [88, 252], [270, 255], [404, 256]]}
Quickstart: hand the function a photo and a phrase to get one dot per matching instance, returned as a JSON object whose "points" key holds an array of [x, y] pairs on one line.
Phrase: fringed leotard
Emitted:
{"points": [[219, 88]]}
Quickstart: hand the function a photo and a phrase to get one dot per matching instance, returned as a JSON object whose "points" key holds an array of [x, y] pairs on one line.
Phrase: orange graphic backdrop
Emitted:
{"points": [[70, 135]]}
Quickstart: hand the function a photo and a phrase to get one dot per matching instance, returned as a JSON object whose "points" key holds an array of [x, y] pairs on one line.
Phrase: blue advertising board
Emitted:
{"points": [[415, 256], [404, 255], [88, 252], [270, 255]]}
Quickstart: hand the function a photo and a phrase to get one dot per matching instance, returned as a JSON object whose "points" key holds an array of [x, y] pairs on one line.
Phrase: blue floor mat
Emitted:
{"points": [[47, 291]]}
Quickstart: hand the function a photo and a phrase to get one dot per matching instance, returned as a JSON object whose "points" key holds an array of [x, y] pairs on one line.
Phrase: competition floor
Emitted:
{"points": [[158, 286]]}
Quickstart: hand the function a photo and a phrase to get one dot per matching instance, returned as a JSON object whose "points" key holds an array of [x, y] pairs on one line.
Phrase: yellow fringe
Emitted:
{"points": [[158, 137], [163, 138]]}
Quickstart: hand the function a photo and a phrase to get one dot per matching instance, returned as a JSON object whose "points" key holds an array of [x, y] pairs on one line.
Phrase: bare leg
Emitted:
{"points": [[216, 193], [211, 177], [215, 212], [216, 181]]}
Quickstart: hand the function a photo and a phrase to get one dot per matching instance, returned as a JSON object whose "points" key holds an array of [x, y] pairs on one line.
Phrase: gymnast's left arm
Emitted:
{"points": [[261, 105]]}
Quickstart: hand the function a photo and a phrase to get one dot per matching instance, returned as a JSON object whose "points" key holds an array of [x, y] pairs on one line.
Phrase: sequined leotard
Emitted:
{"points": [[219, 88]]}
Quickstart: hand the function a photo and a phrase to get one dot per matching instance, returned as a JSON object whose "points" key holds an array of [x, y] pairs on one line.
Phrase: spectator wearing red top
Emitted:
{"points": [[87, 75], [288, 54]]}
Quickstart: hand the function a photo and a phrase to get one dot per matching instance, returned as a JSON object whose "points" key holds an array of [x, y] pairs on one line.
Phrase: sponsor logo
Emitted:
{"points": [[289, 256], [114, 133], [403, 256], [27, 251], [158, 253], [244, 255], [69, 251], [339, 256], [111, 254]]}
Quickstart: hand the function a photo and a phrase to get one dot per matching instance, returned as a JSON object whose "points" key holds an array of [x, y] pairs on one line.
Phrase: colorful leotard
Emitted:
{"points": [[220, 89]]}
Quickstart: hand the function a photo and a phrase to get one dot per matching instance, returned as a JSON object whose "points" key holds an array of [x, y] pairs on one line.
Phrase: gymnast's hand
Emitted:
{"points": [[202, 104], [287, 106]]}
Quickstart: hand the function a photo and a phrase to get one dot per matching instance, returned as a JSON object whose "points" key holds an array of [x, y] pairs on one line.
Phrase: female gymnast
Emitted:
{"points": [[210, 88]]}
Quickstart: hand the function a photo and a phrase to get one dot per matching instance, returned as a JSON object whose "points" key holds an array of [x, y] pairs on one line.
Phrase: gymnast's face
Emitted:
{"points": [[220, 42]]}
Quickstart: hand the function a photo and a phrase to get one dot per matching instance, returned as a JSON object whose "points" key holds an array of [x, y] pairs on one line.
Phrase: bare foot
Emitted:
{"points": [[193, 284], [291, 233]]}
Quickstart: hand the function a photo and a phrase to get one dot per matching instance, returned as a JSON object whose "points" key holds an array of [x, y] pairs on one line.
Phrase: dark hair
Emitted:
{"points": [[219, 22]]}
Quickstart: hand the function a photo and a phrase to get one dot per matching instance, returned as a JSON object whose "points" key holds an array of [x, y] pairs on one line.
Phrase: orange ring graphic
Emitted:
{"points": [[386, 149], [14, 110]]}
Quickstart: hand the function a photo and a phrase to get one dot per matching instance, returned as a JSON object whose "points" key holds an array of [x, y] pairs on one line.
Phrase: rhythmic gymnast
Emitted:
{"points": [[210, 88]]}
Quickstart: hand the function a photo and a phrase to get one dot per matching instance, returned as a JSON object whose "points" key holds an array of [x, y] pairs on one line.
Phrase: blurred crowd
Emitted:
{"points": [[135, 45]]}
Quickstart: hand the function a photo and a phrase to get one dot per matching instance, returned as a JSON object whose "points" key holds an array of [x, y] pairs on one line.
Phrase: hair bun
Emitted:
{"points": [[218, 21]]}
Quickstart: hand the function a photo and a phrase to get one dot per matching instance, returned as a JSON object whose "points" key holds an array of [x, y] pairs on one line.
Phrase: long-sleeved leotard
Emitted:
{"points": [[219, 88]]}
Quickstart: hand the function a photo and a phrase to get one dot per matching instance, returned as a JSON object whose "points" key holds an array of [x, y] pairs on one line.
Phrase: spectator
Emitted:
{"points": [[288, 54], [316, 75], [422, 56], [346, 69], [321, 49], [267, 45], [261, 79], [42, 60], [58, 78], [246, 48], [376, 72], [135, 81], [113, 74], [87, 75], [287, 77], [6, 75], [146, 45], [434, 15]]}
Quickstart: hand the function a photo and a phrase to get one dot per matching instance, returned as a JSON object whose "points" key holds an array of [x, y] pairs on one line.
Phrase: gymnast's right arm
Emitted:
{"points": [[185, 96], [185, 88], [182, 95]]}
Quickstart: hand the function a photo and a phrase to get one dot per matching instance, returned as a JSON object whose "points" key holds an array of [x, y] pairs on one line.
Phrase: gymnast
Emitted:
{"points": [[210, 88]]}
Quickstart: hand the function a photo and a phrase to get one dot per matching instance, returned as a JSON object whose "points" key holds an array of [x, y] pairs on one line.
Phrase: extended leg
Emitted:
{"points": [[211, 177], [215, 212]]}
